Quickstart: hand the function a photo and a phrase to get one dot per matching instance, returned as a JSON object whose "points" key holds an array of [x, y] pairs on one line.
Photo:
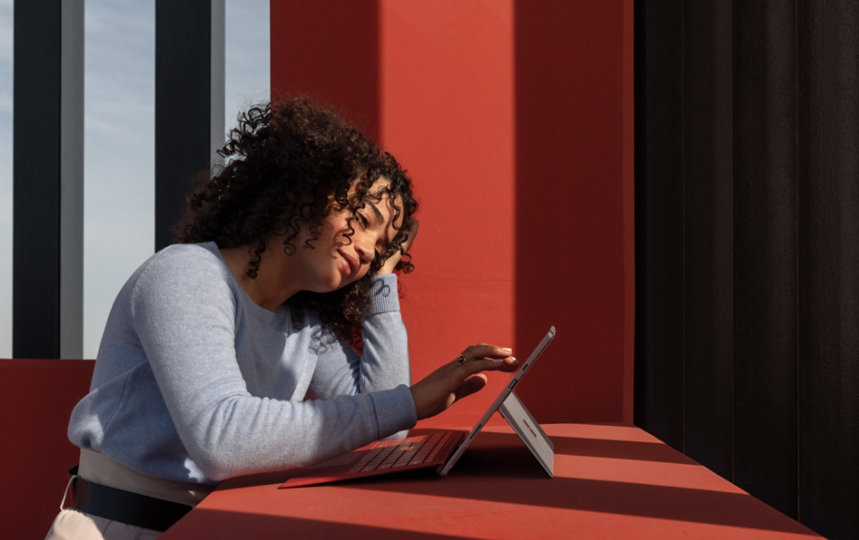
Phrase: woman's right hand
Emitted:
{"points": [[390, 263], [459, 378]]}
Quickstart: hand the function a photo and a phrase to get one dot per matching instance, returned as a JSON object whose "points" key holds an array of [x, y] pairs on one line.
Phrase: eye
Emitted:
{"points": [[362, 219]]}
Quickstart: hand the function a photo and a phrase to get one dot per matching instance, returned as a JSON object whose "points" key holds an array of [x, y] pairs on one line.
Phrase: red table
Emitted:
{"points": [[611, 481]]}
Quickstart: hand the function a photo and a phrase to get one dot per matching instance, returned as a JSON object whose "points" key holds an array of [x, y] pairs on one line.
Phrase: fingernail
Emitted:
{"points": [[507, 349], [515, 361]]}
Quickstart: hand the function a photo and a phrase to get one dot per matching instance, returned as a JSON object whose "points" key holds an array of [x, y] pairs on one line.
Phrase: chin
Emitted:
{"points": [[334, 285]]}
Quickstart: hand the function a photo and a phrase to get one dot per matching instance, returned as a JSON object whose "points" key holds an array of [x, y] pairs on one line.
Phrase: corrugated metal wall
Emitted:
{"points": [[747, 226]]}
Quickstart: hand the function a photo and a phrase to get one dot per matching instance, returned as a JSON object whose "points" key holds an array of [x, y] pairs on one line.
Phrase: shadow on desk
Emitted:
{"points": [[498, 468], [587, 447], [634, 450], [295, 527], [611, 482]]}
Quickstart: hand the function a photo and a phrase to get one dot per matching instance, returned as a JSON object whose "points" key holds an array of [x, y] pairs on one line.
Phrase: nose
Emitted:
{"points": [[364, 246]]}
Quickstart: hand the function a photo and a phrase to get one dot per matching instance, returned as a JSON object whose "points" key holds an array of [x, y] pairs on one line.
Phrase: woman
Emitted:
{"points": [[268, 338]]}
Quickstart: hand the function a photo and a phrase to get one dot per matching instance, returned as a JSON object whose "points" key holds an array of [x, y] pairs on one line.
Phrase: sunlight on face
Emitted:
{"points": [[350, 240]]}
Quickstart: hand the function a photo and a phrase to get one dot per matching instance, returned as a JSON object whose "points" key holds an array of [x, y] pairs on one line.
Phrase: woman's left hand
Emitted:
{"points": [[390, 264]]}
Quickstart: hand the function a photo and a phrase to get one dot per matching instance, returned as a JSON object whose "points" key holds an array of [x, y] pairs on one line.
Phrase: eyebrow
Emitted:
{"points": [[376, 211], [380, 219]]}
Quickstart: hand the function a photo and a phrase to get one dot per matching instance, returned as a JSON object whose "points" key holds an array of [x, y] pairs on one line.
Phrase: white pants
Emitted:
{"points": [[71, 524], [95, 467]]}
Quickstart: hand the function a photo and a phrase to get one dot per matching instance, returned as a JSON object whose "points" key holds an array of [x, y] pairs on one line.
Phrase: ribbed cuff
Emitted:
{"points": [[384, 295], [395, 410]]}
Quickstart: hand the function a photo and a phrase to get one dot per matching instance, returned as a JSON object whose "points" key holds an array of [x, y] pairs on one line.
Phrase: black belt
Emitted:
{"points": [[124, 506]]}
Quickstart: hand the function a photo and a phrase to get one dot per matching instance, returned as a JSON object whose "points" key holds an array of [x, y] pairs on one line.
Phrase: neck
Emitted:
{"points": [[274, 283]]}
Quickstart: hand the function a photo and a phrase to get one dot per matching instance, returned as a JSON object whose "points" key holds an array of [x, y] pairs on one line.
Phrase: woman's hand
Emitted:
{"points": [[390, 264], [459, 378]]}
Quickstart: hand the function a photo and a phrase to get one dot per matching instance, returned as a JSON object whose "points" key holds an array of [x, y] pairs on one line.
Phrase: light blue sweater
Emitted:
{"points": [[194, 382]]}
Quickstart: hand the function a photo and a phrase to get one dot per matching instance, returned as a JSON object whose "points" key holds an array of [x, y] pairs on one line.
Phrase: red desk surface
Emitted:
{"points": [[611, 481]]}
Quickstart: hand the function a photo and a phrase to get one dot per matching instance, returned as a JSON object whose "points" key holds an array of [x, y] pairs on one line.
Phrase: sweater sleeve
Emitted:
{"points": [[185, 320], [384, 363]]}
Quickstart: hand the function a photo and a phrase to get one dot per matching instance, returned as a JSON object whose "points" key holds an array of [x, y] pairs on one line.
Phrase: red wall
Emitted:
{"points": [[36, 399], [515, 122]]}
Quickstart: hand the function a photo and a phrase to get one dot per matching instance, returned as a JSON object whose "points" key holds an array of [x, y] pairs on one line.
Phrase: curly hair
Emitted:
{"points": [[288, 165]]}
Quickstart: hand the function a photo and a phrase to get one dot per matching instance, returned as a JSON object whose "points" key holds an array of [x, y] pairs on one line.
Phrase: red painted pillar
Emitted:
{"points": [[514, 120]]}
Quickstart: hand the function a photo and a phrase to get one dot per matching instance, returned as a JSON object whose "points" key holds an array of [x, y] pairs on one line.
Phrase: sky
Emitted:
{"points": [[6, 178], [119, 112]]}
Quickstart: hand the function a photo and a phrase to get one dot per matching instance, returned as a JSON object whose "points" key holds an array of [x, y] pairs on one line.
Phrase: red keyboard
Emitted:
{"points": [[406, 452]]}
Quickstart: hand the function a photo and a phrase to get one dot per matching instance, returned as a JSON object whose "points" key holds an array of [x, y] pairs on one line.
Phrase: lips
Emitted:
{"points": [[351, 263]]}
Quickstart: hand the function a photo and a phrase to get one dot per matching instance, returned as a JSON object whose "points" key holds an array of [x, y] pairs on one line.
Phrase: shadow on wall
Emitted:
{"points": [[570, 216], [37, 399]]}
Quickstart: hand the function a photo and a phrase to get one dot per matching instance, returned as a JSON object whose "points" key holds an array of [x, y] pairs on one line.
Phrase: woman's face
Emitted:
{"points": [[341, 256]]}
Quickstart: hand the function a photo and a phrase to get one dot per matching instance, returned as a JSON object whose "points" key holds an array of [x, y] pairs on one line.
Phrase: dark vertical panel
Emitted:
{"points": [[36, 171], [639, 410], [182, 106], [765, 261], [659, 221], [829, 267], [708, 249], [770, 201]]}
